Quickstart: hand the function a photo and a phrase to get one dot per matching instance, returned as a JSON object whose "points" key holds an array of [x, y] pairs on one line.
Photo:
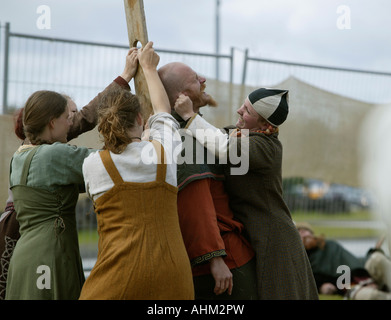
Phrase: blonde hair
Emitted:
{"points": [[117, 114], [270, 129]]}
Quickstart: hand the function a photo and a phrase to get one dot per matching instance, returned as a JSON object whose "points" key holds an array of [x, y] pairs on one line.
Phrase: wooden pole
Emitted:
{"points": [[137, 32]]}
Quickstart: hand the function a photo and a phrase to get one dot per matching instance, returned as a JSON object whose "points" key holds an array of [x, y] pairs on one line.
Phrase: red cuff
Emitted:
{"points": [[122, 82]]}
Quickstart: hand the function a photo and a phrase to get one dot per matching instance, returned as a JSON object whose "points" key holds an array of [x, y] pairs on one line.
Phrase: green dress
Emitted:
{"points": [[46, 263]]}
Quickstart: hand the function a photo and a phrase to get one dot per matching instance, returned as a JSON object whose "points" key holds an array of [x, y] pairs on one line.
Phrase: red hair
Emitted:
{"points": [[18, 124]]}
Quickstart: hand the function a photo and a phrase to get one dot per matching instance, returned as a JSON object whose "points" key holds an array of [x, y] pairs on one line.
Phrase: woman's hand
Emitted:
{"points": [[147, 57], [222, 276], [149, 60], [184, 107], [131, 65]]}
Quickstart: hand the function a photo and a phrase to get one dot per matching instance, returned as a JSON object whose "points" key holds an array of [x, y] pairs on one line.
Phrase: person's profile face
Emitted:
{"points": [[248, 117], [72, 108]]}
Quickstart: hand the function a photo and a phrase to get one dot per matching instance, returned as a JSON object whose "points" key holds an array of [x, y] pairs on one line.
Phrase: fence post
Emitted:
{"points": [[231, 75], [245, 67], [5, 75], [231, 80], [217, 44]]}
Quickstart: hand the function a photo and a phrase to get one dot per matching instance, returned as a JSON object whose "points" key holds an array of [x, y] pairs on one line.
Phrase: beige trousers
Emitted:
{"points": [[379, 268]]}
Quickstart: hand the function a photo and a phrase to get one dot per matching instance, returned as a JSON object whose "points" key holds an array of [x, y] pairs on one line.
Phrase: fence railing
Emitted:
{"points": [[363, 85], [80, 67]]}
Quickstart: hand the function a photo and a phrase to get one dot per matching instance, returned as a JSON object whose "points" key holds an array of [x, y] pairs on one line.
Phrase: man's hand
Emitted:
{"points": [[222, 276], [184, 107], [328, 288]]}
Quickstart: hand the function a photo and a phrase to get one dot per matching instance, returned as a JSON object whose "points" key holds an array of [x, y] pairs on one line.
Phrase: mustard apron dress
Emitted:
{"points": [[141, 254]]}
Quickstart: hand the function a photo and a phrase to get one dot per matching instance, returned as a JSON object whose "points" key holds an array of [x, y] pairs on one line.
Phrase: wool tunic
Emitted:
{"points": [[209, 228], [283, 268]]}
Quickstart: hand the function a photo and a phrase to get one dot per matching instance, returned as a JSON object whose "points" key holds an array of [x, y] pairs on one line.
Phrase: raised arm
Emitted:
{"points": [[87, 118], [149, 60], [205, 133], [130, 65]]}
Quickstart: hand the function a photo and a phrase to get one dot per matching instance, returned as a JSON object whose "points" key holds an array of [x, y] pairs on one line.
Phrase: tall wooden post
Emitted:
{"points": [[137, 32]]}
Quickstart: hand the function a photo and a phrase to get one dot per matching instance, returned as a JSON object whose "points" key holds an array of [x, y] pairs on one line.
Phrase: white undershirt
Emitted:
{"points": [[137, 163]]}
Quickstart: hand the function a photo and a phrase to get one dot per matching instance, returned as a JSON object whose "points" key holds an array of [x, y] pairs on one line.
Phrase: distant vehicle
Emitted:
{"points": [[316, 195]]}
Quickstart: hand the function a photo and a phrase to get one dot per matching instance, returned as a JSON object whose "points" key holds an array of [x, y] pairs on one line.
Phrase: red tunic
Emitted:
{"points": [[209, 228]]}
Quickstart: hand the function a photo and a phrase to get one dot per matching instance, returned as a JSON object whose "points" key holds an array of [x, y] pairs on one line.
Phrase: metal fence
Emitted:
{"points": [[82, 68], [79, 68], [363, 85]]}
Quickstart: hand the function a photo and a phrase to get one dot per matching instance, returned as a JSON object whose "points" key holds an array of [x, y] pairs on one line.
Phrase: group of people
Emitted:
{"points": [[167, 229]]}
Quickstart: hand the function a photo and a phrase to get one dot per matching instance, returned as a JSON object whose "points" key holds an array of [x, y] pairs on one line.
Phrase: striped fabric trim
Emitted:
{"points": [[9, 207], [206, 257]]}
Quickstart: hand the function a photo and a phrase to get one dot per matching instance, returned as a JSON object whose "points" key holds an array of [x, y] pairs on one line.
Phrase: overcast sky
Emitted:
{"points": [[303, 31]]}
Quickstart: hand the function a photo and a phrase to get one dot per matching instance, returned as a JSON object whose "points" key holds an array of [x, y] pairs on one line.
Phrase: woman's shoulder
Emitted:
{"points": [[56, 149], [164, 129], [56, 146], [63, 151], [263, 140], [92, 158], [163, 117]]}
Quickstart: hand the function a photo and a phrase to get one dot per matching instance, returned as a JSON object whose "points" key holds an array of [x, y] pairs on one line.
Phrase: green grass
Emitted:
{"points": [[346, 233], [88, 237], [318, 216], [314, 218], [336, 231], [330, 297]]}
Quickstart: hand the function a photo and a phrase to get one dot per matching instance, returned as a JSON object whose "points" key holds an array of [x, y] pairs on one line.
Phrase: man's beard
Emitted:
{"points": [[210, 101], [204, 98]]}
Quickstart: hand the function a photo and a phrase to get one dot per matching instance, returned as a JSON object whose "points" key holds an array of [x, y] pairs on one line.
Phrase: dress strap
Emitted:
{"points": [[26, 166], [110, 167], [161, 164]]}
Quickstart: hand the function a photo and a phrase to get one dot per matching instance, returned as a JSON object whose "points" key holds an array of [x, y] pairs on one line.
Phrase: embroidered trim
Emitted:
{"points": [[5, 260], [270, 130], [204, 258], [190, 120]]}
